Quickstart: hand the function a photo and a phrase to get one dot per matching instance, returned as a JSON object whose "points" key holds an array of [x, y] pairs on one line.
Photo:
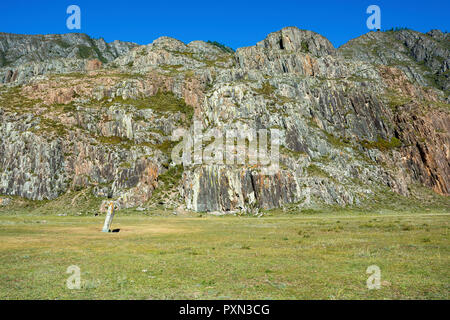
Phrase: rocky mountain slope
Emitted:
{"points": [[424, 58], [80, 114], [24, 56]]}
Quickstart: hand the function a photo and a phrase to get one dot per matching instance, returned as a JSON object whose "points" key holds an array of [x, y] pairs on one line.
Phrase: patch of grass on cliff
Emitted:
{"points": [[358, 78], [315, 171], [172, 176], [321, 255], [97, 51], [208, 63], [60, 42], [304, 47], [217, 62], [337, 141], [183, 53], [161, 102], [168, 102], [171, 68], [292, 153], [284, 100], [396, 99], [64, 108], [167, 182], [48, 126], [165, 147], [441, 105], [3, 61], [266, 89], [85, 52], [116, 140], [382, 144], [221, 46], [11, 99]]}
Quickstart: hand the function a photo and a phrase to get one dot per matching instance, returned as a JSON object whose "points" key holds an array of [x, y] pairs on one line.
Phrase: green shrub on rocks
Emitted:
{"points": [[305, 47], [383, 144], [161, 102], [221, 46], [266, 89]]}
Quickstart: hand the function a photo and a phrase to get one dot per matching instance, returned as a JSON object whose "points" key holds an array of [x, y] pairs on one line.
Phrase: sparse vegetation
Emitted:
{"points": [[3, 61], [85, 52], [277, 257], [12, 99], [395, 29], [396, 100], [165, 147], [161, 102], [97, 51], [383, 144], [221, 46], [304, 47], [266, 89], [316, 171], [114, 140], [338, 142], [60, 42]]}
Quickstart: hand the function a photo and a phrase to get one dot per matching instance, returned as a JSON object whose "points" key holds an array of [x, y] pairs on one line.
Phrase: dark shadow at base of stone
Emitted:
{"points": [[115, 230]]}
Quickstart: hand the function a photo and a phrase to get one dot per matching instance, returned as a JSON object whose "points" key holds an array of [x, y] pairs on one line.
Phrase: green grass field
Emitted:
{"points": [[321, 255]]}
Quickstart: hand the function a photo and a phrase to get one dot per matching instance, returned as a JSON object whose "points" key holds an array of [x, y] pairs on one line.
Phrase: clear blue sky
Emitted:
{"points": [[234, 23]]}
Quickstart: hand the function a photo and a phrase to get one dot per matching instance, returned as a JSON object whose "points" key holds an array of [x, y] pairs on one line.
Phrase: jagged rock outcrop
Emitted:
{"points": [[22, 56], [424, 58], [352, 120], [291, 50], [294, 39], [19, 49]]}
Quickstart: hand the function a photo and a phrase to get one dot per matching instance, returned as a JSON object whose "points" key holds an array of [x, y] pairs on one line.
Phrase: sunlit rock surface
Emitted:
{"points": [[81, 114]]}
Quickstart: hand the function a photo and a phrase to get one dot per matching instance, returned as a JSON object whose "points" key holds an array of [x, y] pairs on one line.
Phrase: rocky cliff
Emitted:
{"points": [[25, 56], [80, 114]]}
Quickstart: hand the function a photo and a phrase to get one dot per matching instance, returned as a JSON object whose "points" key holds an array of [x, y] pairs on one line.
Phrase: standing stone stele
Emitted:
{"points": [[109, 217]]}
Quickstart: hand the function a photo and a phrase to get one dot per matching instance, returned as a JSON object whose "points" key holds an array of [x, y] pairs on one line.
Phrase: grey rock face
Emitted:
{"points": [[31, 166], [217, 188], [19, 49], [291, 50], [294, 39]]}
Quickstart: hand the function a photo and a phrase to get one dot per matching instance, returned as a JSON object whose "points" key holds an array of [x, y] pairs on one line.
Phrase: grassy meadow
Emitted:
{"points": [[320, 254]]}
